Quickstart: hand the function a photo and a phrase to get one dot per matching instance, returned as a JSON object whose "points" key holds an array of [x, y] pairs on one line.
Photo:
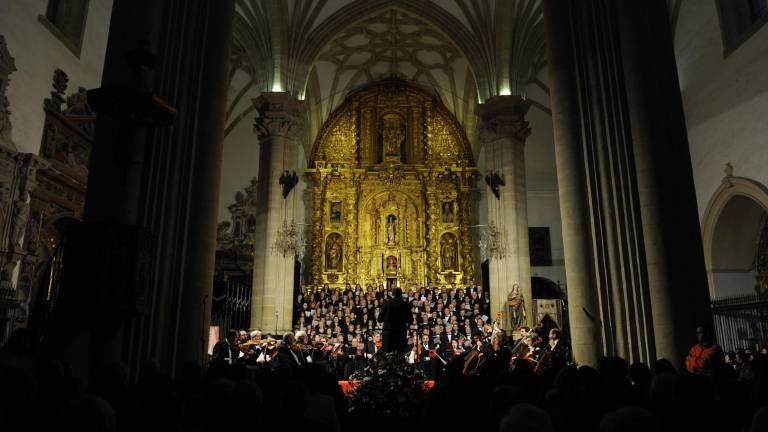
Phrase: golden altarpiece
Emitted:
{"points": [[390, 175]]}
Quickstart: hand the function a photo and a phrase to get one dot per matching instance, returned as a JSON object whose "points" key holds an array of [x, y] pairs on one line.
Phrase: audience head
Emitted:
{"points": [[232, 336], [526, 417], [704, 334], [629, 419], [294, 398], [664, 366]]}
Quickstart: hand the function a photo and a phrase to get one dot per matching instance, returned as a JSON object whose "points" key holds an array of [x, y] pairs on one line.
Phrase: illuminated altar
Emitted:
{"points": [[390, 174]]}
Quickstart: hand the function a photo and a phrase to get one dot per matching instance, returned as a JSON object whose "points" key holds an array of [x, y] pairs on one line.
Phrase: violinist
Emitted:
{"points": [[302, 347], [319, 350], [286, 354], [554, 354], [227, 351], [252, 348], [558, 347]]}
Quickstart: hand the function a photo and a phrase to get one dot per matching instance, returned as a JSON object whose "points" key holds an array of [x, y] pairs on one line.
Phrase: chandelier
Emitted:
{"points": [[492, 242], [290, 240]]}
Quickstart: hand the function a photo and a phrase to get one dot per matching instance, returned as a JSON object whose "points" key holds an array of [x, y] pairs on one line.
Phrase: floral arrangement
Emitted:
{"points": [[391, 387]]}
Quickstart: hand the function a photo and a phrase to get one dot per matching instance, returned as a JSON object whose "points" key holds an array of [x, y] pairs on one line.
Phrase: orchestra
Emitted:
{"points": [[336, 329]]}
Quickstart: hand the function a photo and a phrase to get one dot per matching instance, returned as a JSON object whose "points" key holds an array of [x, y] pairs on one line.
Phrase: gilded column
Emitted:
{"points": [[465, 236], [279, 127], [318, 192], [503, 131]]}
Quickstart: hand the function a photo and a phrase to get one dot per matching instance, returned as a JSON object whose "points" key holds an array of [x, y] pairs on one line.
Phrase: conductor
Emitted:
{"points": [[396, 316]]}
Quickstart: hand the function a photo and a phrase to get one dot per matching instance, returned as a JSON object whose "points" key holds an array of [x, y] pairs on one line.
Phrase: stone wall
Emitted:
{"points": [[38, 52], [725, 99]]}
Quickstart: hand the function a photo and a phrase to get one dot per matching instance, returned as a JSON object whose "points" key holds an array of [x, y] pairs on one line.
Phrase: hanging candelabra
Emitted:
{"points": [[492, 242], [289, 241]]}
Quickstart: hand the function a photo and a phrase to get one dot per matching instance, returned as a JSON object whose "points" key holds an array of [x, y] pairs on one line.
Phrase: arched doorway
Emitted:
{"points": [[735, 235], [548, 305]]}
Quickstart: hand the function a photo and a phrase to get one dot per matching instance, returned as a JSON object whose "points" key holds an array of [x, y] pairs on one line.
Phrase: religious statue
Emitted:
{"points": [[391, 263], [391, 229], [223, 235], [448, 253], [333, 252], [335, 211], [447, 212], [516, 316], [18, 222], [392, 135]]}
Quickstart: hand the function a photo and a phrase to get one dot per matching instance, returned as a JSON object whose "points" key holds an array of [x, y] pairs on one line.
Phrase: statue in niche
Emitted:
{"points": [[333, 253], [335, 212], [448, 252], [447, 213], [516, 316], [392, 134], [391, 264], [391, 229]]}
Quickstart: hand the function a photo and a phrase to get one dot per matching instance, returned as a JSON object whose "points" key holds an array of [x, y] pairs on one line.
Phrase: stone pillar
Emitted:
{"points": [[139, 272], [674, 250], [503, 131], [625, 183], [583, 303], [279, 127]]}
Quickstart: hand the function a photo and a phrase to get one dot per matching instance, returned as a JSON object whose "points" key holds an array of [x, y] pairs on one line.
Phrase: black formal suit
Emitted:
{"points": [[396, 317], [285, 356], [560, 351], [223, 352]]}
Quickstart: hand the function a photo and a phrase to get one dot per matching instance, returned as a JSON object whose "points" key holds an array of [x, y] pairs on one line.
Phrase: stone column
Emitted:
{"points": [[583, 303], [676, 271], [503, 131], [279, 127], [139, 273], [626, 187]]}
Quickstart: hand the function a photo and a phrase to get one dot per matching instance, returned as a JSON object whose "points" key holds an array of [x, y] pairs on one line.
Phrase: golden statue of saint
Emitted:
{"points": [[392, 229], [448, 253], [516, 316], [333, 253], [392, 135]]}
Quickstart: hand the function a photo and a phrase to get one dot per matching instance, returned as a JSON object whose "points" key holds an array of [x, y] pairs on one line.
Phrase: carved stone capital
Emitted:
{"points": [[280, 114], [503, 117]]}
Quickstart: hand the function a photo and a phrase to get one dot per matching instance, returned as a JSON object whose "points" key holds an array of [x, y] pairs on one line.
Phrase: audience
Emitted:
{"points": [[614, 396]]}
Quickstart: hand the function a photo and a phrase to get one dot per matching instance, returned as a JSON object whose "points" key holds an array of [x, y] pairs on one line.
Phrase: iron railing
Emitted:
{"points": [[741, 321], [231, 306]]}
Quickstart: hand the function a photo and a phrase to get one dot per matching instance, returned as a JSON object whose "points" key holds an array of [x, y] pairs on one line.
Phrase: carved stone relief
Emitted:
{"points": [[7, 67]]}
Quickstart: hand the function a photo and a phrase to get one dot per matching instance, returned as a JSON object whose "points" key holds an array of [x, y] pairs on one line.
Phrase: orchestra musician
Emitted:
{"points": [[557, 346], [226, 351], [286, 354], [252, 348]]}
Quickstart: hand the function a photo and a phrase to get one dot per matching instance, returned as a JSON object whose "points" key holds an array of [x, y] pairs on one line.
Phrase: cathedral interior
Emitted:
{"points": [[174, 170]]}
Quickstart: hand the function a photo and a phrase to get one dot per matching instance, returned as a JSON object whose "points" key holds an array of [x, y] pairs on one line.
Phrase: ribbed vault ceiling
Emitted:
{"points": [[463, 50]]}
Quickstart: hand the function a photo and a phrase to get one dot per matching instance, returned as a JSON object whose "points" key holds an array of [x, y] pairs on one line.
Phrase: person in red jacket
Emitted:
{"points": [[707, 353]]}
